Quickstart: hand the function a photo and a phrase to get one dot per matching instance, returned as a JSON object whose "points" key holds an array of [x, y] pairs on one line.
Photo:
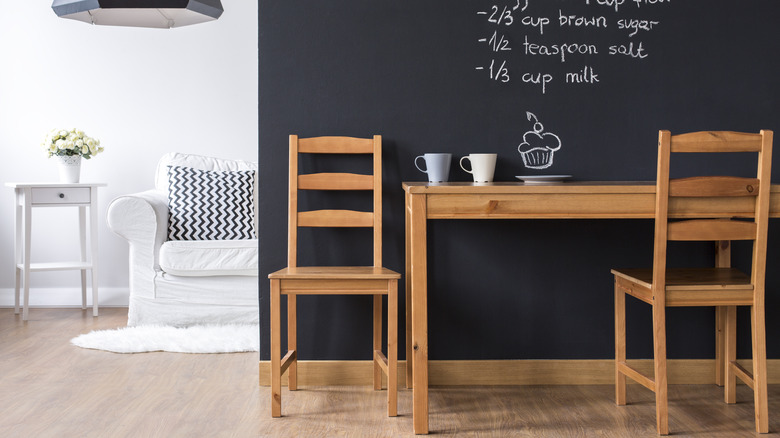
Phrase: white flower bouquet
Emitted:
{"points": [[61, 142]]}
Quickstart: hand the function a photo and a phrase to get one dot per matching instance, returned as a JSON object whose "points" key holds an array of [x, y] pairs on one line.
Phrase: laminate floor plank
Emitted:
{"points": [[53, 389]]}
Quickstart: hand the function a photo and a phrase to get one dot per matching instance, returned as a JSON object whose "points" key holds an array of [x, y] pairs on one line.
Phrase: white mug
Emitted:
{"points": [[437, 166], [482, 166]]}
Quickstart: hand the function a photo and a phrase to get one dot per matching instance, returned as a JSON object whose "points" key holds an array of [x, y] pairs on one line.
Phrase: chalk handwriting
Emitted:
{"points": [[578, 21], [538, 78], [551, 36], [499, 73], [496, 42], [616, 4], [639, 3], [504, 17], [628, 50], [539, 22], [559, 50], [611, 3], [518, 5], [584, 76], [636, 25]]}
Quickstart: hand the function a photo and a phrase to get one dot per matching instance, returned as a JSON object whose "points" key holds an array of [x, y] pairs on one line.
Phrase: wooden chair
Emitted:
{"points": [[663, 287], [297, 280]]}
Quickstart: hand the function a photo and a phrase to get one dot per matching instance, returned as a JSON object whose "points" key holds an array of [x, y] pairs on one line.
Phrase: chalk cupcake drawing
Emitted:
{"points": [[538, 146]]}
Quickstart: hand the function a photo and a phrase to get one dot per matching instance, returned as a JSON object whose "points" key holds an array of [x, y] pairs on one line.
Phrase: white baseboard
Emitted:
{"points": [[68, 297]]}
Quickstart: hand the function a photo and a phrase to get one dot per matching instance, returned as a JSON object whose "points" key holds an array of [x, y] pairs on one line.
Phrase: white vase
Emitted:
{"points": [[69, 167]]}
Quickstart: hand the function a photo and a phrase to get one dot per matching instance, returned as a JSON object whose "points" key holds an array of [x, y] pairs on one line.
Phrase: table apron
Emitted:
{"points": [[576, 206]]}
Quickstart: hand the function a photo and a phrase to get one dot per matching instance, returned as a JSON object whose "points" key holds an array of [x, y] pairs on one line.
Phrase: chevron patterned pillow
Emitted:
{"points": [[210, 205]]}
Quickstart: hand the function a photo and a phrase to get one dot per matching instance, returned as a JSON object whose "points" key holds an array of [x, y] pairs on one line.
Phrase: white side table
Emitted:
{"points": [[81, 195]]}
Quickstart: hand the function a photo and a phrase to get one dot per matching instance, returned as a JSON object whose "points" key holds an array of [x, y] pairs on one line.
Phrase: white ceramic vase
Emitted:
{"points": [[69, 167]]}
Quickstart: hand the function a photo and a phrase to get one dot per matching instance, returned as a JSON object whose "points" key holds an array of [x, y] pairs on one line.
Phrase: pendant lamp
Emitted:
{"points": [[139, 13]]}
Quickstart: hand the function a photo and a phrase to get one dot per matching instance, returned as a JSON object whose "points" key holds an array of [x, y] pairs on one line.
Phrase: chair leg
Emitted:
{"points": [[292, 340], [620, 345], [730, 355], [722, 260], [392, 349], [377, 341], [276, 353], [759, 367], [659, 362], [721, 363]]}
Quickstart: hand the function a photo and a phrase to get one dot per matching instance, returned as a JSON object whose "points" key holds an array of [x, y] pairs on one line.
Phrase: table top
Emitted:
{"points": [[520, 187], [548, 187], [17, 185], [571, 199]]}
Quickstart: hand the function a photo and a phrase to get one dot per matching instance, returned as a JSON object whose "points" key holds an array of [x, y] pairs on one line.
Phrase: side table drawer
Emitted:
{"points": [[60, 195]]}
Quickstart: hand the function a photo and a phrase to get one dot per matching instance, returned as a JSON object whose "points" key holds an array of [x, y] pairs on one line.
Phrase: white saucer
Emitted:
{"points": [[541, 179]]}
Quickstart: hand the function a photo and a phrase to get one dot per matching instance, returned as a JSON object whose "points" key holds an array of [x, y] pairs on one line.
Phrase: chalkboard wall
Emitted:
{"points": [[603, 76]]}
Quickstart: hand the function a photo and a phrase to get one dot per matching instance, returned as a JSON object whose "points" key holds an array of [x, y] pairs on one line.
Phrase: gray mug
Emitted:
{"points": [[437, 166]]}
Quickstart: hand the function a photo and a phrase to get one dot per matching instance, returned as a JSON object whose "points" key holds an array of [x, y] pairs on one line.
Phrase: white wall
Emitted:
{"points": [[142, 92]]}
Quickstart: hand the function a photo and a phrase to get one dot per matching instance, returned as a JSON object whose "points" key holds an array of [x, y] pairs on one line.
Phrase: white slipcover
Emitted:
{"points": [[199, 258], [184, 282]]}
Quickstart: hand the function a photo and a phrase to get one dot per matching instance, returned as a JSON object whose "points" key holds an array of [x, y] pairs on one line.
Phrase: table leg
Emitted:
{"points": [[419, 297], [722, 260], [83, 251], [408, 289], [93, 241], [18, 254], [27, 224]]}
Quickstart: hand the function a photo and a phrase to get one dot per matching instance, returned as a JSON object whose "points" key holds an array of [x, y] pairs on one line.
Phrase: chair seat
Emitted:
{"points": [[334, 272], [690, 286]]}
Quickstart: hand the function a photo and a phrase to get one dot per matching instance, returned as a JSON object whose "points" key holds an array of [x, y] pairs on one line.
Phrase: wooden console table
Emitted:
{"points": [[568, 200]]}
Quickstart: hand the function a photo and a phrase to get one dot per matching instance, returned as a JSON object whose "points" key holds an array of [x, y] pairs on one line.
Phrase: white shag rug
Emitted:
{"points": [[195, 339]]}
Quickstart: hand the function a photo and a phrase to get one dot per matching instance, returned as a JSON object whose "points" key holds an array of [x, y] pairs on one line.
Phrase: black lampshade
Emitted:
{"points": [[139, 13]]}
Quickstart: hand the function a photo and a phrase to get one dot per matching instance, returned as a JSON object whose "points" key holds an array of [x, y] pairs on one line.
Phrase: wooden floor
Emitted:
{"points": [[53, 389]]}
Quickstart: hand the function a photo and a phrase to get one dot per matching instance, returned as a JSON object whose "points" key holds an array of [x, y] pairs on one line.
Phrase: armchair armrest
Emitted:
{"points": [[142, 220]]}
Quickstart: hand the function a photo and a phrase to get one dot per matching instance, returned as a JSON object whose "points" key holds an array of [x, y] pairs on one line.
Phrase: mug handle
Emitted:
{"points": [[461, 165], [417, 166]]}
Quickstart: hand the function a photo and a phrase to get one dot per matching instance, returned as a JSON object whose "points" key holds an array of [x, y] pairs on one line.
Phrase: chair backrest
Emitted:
{"points": [[673, 195], [335, 181]]}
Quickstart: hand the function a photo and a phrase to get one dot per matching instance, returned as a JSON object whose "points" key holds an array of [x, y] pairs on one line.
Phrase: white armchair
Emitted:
{"points": [[185, 282]]}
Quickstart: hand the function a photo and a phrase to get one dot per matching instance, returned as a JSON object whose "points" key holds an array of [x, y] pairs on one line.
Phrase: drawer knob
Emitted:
{"points": [[62, 195]]}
